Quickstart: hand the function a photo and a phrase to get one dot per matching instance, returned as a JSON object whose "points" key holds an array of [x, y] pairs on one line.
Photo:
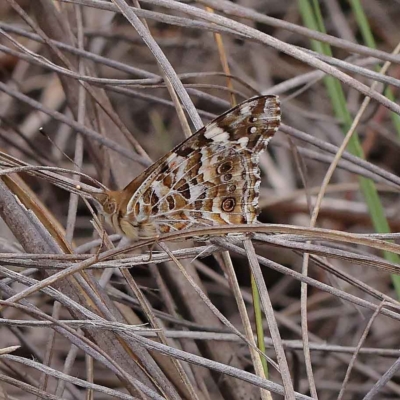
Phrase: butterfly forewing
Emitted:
{"points": [[212, 178]]}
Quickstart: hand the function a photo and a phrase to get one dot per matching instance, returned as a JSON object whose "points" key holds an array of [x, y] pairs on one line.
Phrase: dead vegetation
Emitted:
{"points": [[86, 315]]}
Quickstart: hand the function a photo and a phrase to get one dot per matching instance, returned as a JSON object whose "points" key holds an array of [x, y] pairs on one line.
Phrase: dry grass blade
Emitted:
{"points": [[272, 325]]}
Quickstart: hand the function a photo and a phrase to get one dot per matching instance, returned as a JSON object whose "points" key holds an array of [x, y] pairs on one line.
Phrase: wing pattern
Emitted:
{"points": [[212, 178]]}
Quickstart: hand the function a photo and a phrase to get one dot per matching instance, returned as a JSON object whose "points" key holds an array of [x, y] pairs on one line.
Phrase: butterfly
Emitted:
{"points": [[210, 179]]}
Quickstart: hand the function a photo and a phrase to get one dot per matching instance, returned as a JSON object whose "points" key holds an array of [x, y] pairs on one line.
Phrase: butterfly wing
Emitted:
{"points": [[212, 178]]}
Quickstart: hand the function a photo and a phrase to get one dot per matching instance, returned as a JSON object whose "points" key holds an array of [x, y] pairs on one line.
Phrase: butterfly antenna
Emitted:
{"points": [[76, 186], [47, 136], [10, 164]]}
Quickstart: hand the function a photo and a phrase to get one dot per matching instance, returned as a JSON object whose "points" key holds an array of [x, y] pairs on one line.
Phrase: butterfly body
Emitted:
{"points": [[212, 178]]}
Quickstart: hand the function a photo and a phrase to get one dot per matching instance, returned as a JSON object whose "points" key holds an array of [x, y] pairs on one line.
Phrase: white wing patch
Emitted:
{"points": [[216, 134], [243, 141]]}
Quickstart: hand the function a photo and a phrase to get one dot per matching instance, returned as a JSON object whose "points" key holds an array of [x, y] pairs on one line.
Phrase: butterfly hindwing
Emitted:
{"points": [[212, 178]]}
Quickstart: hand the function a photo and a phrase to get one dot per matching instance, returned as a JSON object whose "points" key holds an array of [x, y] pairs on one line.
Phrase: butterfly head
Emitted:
{"points": [[107, 207], [110, 205], [105, 204]]}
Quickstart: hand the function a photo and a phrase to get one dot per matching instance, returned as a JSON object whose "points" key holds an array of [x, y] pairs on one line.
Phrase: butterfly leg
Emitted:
{"points": [[152, 248]]}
